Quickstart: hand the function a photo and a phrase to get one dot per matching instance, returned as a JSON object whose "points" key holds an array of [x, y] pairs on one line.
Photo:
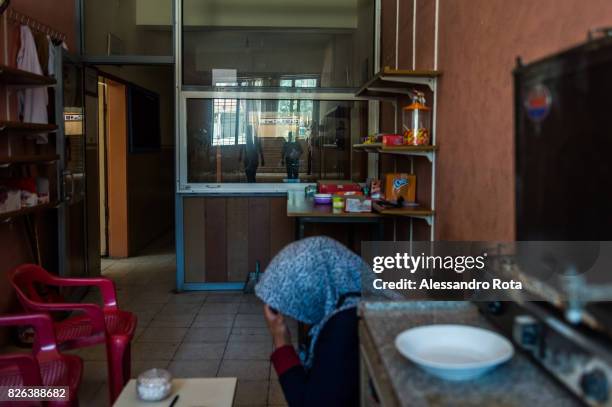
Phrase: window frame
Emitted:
{"points": [[184, 92]]}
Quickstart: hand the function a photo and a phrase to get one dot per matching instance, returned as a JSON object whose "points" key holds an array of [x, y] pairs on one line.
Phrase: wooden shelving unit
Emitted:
{"points": [[18, 78], [391, 83], [26, 128], [29, 159], [395, 85], [27, 211]]}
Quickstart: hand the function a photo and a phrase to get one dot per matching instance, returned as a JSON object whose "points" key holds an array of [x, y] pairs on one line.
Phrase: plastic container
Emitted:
{"points": [[154, 385], [416, 122], [393, 140], [323, 199]]}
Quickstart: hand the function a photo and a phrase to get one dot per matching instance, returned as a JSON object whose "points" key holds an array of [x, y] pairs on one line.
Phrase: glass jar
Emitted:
{"points": [[154, 385], [416, 119]]}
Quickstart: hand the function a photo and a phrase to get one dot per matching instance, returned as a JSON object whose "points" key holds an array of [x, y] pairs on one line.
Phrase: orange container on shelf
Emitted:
{"points": [[416, 119], [400, 185]]}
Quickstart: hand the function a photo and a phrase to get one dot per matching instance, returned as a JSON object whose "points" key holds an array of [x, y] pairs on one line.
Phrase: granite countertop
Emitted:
{"points": [[516, 383]]}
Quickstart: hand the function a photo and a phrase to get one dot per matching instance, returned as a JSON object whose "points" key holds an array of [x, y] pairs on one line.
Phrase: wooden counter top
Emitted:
{"points": [[300, 206]]}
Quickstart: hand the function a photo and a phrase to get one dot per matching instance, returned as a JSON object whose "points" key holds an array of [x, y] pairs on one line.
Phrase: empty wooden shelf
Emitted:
{"points": [[16, 77], [26, 128], [29, 159], [26, 211]]}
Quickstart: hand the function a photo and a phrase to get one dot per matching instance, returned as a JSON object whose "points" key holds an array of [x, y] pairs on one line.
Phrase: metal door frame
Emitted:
{"points": [[62, 214]]}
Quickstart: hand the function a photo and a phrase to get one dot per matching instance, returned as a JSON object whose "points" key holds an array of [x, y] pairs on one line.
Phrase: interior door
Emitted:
{"points": [[71, 145]]}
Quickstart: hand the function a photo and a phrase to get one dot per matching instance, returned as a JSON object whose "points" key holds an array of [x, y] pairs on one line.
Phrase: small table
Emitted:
{"points": [[200, 392], [304, 210]]}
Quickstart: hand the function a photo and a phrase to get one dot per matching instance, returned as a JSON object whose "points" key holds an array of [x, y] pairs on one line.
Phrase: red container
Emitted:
{"points": [[334, 187], [391, 140]]}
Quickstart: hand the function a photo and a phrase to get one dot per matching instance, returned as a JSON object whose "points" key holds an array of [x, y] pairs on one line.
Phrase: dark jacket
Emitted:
{"points": [[333, 379]]}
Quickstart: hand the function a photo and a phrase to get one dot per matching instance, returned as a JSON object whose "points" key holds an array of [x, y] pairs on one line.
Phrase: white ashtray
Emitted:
{"points": [[454, 352], [154, 385]]}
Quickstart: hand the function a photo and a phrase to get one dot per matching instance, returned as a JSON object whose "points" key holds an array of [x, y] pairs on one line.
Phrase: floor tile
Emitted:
{"points": [[248, 350], [172, 321], [219, 308], [162, 334], [250, 320], [180, 309], [145, 307], [250, 308], [195, 297], [144, 317], [152, 297], [245, 369], [250, 334], [194, 368], [95, 370], [88, 390], [207, 335], [97, 352], [200, 351], [214, 321], [154, 350], [251, 393], [99, 399], [224, 298], [141, 366], [275, 394]]}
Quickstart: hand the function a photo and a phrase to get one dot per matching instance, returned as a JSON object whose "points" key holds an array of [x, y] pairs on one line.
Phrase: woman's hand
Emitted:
{"points": [[278, 328]]}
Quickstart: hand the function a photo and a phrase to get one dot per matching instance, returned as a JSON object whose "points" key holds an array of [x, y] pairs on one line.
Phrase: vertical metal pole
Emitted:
{"points": [[60, 140], [80, 32], [177, 18], [434, 158]]}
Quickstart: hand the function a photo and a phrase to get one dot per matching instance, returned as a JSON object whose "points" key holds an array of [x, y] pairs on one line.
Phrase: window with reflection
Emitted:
{"points": [[128, 27], [252, 140], [278, 43]]}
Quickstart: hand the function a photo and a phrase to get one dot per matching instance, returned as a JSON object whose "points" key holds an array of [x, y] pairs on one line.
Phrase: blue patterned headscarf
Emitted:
{"points": [[307, 280]]}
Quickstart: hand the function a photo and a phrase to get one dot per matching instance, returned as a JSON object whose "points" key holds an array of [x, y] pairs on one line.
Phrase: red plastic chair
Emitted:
{"points": [[106, 324], [45, 366]]}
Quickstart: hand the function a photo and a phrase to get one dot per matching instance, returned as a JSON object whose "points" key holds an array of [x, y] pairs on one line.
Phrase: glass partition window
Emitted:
{"points": [[278, 43], [128, 27], [246, 140]]}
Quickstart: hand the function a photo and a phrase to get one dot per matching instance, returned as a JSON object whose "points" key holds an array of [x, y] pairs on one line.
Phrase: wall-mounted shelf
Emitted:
{"points": [[18, 78], [29, 159], [391, 83], [27, 211], [28, 128], [419, 151], [418, 212], [368, 147]]}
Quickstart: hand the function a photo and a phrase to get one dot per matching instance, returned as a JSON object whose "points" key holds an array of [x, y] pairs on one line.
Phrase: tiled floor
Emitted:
{"points": [[199, 334]]}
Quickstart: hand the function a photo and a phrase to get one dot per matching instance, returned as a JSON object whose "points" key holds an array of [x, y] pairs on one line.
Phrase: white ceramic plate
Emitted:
{"points": [[454, 352]]}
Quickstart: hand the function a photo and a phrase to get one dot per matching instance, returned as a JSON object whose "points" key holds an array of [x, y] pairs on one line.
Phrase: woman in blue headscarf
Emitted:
{"points": [[316, 281]]}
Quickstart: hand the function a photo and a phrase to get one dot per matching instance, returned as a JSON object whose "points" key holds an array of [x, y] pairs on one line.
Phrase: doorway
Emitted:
{"points": [[136, 157], [112, 111]]}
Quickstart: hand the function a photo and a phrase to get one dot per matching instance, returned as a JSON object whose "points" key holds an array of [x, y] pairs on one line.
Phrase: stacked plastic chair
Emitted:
{"points": [[45, 366], [89, 324]]}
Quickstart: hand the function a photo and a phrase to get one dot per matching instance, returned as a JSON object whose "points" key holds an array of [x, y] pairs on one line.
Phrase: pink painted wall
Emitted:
{"points": [[58, 14], [478, 43]]}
